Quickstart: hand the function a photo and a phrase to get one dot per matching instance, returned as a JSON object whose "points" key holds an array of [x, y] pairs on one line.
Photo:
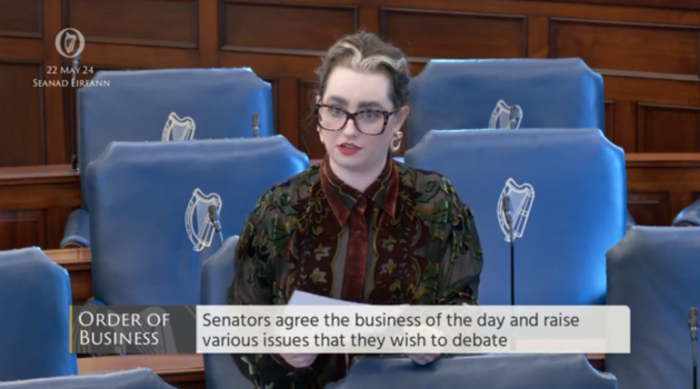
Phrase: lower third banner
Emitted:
{"points": [[105, 330]]}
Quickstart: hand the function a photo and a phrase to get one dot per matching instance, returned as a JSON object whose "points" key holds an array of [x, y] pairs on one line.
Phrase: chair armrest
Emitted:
{"points": [[77, 231], [689, 217]]}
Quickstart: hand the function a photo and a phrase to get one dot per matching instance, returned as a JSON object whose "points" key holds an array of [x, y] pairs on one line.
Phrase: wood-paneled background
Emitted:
{"points": [[647, 50]]}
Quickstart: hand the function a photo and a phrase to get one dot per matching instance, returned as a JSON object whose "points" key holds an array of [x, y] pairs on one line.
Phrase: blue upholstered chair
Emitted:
{"points": [[217, 273], [140, 378], [164, 104], [510, 371], [476, 94], [689, 217], [656, 272], [35, 296], [149, 211], [568, 195]]}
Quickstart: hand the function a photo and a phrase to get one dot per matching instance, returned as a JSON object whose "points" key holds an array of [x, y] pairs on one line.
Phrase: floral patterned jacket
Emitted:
{"points": [[408, 239]]}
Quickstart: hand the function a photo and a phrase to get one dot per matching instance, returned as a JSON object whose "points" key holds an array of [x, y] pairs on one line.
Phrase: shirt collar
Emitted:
{"points": [[342, 197]]}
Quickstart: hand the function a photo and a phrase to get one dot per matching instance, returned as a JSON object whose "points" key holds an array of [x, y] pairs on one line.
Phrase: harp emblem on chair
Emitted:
{"points": [[177, 128], [505, 116], [200, 229], [521, 199]]}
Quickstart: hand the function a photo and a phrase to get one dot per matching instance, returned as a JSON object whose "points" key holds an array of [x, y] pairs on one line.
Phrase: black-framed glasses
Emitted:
{"points": [[368, 121]]}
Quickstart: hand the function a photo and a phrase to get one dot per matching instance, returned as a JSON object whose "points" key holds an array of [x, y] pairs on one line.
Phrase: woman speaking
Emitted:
{"points": [[360, 226]]}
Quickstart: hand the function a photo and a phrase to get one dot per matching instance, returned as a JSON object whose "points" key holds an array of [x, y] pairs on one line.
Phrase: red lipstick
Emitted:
{"points": [[348, 148]]}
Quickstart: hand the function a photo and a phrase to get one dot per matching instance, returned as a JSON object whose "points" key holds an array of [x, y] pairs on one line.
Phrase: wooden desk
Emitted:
{"points": [[79, 265], [181, 371]]}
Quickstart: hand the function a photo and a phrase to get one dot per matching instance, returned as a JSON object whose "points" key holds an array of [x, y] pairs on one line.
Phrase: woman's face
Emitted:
{"points": [[352, 91]]}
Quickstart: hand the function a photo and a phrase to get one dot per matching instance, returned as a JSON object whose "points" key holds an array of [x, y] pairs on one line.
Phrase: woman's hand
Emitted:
{"points": [[299, 361], [423, 359]]}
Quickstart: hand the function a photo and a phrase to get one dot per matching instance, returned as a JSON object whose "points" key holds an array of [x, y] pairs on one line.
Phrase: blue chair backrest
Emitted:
{"points": [[552, 93], [510, 371], [35, 296], [217, 274], [149, 105], [140, 378], [655, 271], [149, 222], [568, 194]]}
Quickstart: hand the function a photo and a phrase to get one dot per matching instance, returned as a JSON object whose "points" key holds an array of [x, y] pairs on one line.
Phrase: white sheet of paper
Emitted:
{"points": [[305, 298]]}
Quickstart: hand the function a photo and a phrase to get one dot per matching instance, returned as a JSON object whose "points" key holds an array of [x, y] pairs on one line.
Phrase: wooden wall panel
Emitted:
{"points": [[285, 28], [22, 141], [665, 51], [22, 229], [20, 18], [170, 23], [34, 205], [660, 185], [668, 129], [647, 53], [624, 124], [454, 34], [649, 208]]}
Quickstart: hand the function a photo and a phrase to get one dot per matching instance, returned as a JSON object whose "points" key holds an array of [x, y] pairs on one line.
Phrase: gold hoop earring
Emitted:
{"points": [[396, 141]]}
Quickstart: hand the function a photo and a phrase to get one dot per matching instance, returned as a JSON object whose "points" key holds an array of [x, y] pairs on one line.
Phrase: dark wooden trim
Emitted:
{"points": [[272, 50], [692, 5], [71, 259], [32, 175], [663, 160], [78, 263]]}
